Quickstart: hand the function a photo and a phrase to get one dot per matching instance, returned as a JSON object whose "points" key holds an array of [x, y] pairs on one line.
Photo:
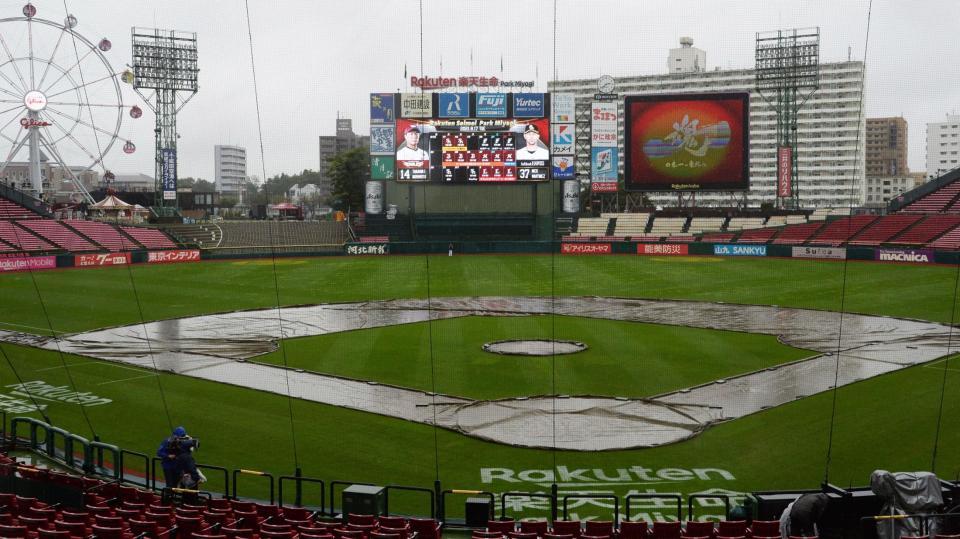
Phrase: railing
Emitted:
{"points": [[298, 501]]}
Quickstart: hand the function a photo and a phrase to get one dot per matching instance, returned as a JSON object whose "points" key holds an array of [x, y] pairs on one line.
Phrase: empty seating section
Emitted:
{"points": [[777, 220], [206, 235], [592, 226], [104, 235], [757, 235], [927, 230], [56, 233], [699, 225], [937, 201], [797, 234], [150, 238], [840, 230], [950, 240], [668, 226], [885, 228], [723, 237], [12, 210], [744, 223], [286, 233], [631, 224]]}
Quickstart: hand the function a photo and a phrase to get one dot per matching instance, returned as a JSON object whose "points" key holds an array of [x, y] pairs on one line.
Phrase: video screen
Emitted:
{"points": [[687, 142], [458, 138]]}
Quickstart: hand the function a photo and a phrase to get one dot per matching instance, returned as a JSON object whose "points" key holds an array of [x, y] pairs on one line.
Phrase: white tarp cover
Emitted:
{"points": [[906, 493], [216, 347]]}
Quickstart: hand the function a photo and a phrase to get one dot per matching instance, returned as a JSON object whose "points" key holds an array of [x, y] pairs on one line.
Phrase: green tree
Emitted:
{"points": [[348, 173]]}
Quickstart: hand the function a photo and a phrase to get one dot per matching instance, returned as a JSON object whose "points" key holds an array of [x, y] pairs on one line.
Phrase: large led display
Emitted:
{"points": [[687, 142]]}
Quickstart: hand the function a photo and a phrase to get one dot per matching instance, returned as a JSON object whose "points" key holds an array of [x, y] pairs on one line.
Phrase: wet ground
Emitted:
{"points": [[217, 347]]}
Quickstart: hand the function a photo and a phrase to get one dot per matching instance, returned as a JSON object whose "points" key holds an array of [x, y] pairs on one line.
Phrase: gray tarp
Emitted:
{"points": [[906, 493]]}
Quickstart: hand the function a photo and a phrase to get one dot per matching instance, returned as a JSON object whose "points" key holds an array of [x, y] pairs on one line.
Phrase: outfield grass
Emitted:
{"points": [[888, 422]]}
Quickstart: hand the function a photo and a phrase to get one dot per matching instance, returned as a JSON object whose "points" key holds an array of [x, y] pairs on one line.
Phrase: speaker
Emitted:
{"points": [[477, 512], [364, 500]]}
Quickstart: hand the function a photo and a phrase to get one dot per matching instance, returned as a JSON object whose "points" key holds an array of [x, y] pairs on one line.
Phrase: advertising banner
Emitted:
{"points": [[922, 256], [669, 249], [373, 200], [491, 105], [784, 171], [603, 164], [367, 249], [168, 171], [564, 108], [603, 187], [603, 124], [25, 263], [170, 257], [382, 140], [586, 248], [739, 250], [382, 167], [687, 142], [101, 259], [833, 253], [563, 168], [571, 196], [528, 106], [382, 109], [562, 139], [455, 105], [416, 105]]}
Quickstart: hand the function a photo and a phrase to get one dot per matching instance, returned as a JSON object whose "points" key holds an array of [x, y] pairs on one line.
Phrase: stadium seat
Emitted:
{"points": [[102, 532], [522, 535], [298, 513], [484, 534], [238, 533], [268, 527], [76, 529], [198, 535], [633, 529], [32, 523], [243, 506], [765, 528], [585, 536], [380, 535], [730, 537], [426, 528], [951, 536], [696, 528], [538, 527], [567, 527], [502, 526], [393, 522], [557, 536], [267, 510], [363, 520], [732, 528], [109, 521], [44, 533], [598, 527], [48, 513], [147, 528], [403, 533], [666, 530], [318, 535], [289, 534], [343, 533]]}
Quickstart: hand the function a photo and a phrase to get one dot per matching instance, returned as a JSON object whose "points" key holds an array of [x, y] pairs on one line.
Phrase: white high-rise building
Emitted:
{"points": [[230, 170], [830, 128], [943, 146], [686, 59]]}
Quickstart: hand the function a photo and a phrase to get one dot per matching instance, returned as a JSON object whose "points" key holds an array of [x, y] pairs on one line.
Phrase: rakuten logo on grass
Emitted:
{"points": [[634, 475]]}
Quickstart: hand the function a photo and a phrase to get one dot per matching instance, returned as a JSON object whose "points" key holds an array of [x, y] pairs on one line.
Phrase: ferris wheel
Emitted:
{"points": [[60, 102]]}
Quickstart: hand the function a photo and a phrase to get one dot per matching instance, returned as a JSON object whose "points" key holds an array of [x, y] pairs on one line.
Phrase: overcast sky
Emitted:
{"points": [[317, 59]]}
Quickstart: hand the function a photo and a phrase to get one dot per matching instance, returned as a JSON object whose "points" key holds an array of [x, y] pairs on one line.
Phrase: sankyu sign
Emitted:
{"points": [[368, 249], [740, 250], [922, 256], [668, 249], [168, 257], [586, 248], [833, 253], [103, 259]]}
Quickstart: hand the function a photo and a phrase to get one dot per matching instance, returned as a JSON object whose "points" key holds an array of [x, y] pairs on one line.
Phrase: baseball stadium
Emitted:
{"points": [[582, 310]]}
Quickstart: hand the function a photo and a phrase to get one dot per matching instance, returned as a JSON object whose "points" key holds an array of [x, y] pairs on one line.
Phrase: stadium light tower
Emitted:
{"points": [[787, 74], [165, 61]]}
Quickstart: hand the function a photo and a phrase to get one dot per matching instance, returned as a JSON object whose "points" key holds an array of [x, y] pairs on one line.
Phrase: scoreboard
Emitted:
{"points": [[464, 138]]}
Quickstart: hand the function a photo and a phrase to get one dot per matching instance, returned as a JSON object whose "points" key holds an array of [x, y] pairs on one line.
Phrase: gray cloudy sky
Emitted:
{"points": [[315, 59]]}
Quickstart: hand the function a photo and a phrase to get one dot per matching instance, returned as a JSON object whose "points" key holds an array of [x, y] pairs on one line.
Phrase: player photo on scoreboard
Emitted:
{"points": [[532, 154], [413, 153]]}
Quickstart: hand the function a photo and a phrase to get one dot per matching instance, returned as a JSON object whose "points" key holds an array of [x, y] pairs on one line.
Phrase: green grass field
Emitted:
{"points": [[888, 422]]}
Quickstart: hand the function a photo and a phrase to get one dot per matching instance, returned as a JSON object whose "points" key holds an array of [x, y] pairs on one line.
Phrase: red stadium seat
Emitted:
{"points": [[76, 529], [485, 534], [103, 532], [44, 533], [666, 530], [633, 529], [426, 528], [598, 527], [380, 535], [557, 536], [502, 526], [393, 522], [732, 528], [567, 527], [698, 529], [765, 528], [7, 530], [363, 520], [539, 527], [403, 533], [238, 533], [522, 535]]}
